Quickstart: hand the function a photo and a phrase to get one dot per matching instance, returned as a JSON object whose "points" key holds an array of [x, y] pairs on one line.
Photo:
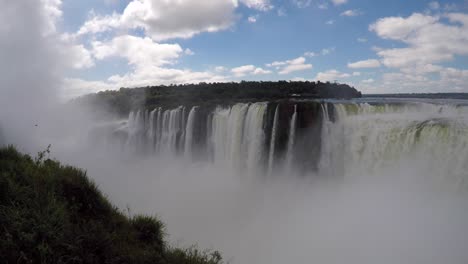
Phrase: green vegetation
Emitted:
{"points": [[124, 100], [461, 96], [50, 213]]}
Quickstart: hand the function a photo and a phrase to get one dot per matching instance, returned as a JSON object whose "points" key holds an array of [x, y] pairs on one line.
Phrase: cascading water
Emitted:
{"points": [[254, 136], [367, 139], [291, 137], [189, 132], [355, 138], [273, 141]]}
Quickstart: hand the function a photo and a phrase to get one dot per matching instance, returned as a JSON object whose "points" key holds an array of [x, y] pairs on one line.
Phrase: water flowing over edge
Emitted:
{"points": [[325, 138]]}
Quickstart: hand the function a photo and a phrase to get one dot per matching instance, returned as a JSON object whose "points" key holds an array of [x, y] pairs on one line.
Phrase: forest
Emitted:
{"points": [[124, 100]]}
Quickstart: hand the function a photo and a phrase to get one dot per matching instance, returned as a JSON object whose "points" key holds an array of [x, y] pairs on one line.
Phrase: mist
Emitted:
{"points": [[284, 218]]}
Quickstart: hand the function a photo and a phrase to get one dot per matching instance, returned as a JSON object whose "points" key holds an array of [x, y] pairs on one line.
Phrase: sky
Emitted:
{"points": [[394, 46]]}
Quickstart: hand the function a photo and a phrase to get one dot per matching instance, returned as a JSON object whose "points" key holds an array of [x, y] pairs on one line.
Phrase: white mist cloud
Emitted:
{"points": [[30, 66], [351, 13], [248, 70], [289, 66], [427, 41], [163, 20], [339, 2], [331, 75], [371, 63]]}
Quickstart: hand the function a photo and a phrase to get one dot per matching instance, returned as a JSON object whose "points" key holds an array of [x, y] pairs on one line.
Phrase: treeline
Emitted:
{"points": [[463, 96], [50, 213], [125, 99]]}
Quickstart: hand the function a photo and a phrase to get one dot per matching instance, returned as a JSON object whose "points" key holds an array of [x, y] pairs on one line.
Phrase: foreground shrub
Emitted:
{"points": [[51, 213]]}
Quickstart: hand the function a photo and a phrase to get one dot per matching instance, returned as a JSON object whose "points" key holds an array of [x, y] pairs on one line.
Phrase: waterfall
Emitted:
{"points": [[353, 138], [431, 139], [189, 132], [151, 130], [218, 136], [254, 136], [237, 135], [271, 155], [235, 130], [292, 134], [157, 139]]}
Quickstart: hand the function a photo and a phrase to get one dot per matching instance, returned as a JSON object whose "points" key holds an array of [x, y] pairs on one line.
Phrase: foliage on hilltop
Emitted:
{"points": [[125, 99]]}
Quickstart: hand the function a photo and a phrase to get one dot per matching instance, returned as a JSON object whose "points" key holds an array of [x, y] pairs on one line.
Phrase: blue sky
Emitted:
{"points": [[376, 46]]}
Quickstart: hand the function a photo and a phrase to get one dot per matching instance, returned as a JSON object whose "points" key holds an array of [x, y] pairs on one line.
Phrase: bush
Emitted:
{"points": [[51, 213]]}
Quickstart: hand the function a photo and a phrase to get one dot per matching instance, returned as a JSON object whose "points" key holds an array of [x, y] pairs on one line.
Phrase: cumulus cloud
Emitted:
{"points": [[310, 54], [140, 52], [428, 39], [162, 19], [302, 3], [150, 65], [289, 66], [339, 2], [80, 57], [189, 52], [322, 6], [248, 70], [252, 19], [262, 5], [351, 13], [331, 75], [364, 64], [327, 51]]}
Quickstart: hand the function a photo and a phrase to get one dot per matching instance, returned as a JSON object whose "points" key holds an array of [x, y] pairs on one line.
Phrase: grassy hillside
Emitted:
{"points": [[51, 213]]}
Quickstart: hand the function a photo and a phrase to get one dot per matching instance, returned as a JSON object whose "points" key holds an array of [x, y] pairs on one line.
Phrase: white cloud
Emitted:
{"points": [[162, 19], [248, 70], [362, 40], [252, 19], [281, 12], [368, 81], [286, 67], [364, 64], [77, 87], [339, 2], [52, 13], [322, 6], [140, 52], [327, 51], [330, 22], [98, 24], [331, 75], [302, 3], [189, 52], [310, 54], [351, 13], [356, 74], [220, 69], [262, 5], [157, 75], [80, 57], [150, 63], [428, 39], [399, 28]]}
